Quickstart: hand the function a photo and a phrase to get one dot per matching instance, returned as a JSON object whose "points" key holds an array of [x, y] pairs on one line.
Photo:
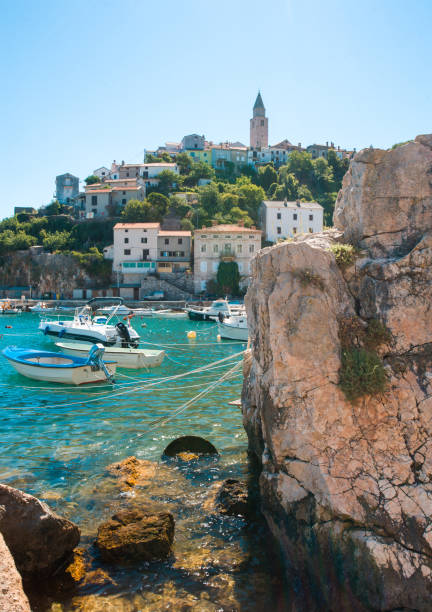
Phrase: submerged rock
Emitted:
{"points": [[39, 540], [232, 498], [346, 485], [12, 596], [132, 471], [190, 444], [136, 535]]}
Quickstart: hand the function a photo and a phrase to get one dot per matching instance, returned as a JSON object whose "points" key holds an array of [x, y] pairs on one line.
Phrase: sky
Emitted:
{"points": [[85, 82]]}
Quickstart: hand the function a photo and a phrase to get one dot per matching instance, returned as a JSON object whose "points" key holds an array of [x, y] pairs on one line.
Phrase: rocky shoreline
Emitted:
{"points": [[337, 396], [45, 562]]}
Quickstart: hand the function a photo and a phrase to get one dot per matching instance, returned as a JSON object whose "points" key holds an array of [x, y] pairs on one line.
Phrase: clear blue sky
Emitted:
{"points": [[88, 81]]}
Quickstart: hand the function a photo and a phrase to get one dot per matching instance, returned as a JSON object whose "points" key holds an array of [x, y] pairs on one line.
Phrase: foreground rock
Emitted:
{"points": [[39, 540], [12, 596], [232, 498], [136, 535], [346, 486]]}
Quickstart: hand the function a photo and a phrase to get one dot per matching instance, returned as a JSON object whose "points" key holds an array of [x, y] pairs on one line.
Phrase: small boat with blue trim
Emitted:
{"points": [[48, 366], [134, 358]]}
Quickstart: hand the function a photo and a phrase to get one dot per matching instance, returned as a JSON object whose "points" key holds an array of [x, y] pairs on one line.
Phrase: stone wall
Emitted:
{"points": [[346, 485]]}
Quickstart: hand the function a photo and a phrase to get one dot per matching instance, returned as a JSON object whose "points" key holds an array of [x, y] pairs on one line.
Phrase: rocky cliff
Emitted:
{"points": [[346, 476]]}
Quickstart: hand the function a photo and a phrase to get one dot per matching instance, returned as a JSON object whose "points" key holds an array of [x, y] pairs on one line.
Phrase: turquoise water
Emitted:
{"points": [[57, 441]]}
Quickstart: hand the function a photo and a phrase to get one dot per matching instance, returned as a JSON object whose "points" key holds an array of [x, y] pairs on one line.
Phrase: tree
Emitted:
{"points": [[199, 170], [266, 176], [228, 277], [92, 180], [339, 166], [184, 162], [53, 208], [209, 199], [304, 194], [56, 241], [166, 157], [299, 163], [250, 196], [288, 187], [152, 159], [159, 205], [135, 210], [167, 180], [323, 179]]}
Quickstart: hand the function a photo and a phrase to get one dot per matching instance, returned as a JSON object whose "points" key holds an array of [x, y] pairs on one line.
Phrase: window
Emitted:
{"points": [[310, 230], [279, 230], [182, 253], [124, 192], [180, 240], [262, 122], [127, 173], [126, 240], [126, 251], [94, 210], [295, 216], [215, 248], [294, 230], [166, 241], [251, 248], [310, 217], [279, 216], [126, 231], [94, 201], [124, 201], [143, 240], [203, 248], [227, 247], [239, 248]]}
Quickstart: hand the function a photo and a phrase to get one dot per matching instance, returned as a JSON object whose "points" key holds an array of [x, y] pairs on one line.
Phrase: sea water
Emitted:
{"points": [[56, 442]]}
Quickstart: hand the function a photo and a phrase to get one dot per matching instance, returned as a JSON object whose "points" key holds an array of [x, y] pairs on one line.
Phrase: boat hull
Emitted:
{"points": [[124, 357], [79, 375], [195, 315], [229, 332]]}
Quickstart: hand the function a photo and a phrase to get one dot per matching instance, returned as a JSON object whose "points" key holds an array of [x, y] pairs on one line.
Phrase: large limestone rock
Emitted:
{"points": [[136, 535], [39, 540], [347, 487], [12, 596]]}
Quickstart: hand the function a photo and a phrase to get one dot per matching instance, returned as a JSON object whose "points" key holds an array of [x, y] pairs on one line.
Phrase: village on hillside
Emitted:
{"points": [[186, 221]]}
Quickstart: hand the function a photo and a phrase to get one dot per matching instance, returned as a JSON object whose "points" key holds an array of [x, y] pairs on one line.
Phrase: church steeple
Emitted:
{"points": [[258, 108], [258, 125]]}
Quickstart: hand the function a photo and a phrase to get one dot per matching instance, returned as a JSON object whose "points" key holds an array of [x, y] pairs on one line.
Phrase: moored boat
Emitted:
{"points": [[134, 358], [86, 327], [210, 313], [233, 328], [41, 307], [48, 366]]}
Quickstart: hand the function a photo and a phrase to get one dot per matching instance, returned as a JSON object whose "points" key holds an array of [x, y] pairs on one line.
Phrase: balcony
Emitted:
{"points": [[227, 255]]}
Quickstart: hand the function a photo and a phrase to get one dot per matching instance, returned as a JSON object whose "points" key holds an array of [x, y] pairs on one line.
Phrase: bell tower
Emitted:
{"points": [[258, 125]]}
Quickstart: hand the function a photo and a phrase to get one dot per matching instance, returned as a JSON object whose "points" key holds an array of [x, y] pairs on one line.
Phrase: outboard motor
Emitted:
{"points": [[124, 334], [95, 360]]}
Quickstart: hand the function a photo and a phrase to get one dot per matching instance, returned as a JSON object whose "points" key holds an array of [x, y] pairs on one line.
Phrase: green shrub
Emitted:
{"points": [[362, 373], [308, 277], [376, 334], [344, 254]]}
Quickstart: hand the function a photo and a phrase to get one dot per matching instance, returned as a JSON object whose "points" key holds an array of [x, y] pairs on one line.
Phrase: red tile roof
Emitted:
{"points": [[227, 228], [174, 233], [137, 226]]}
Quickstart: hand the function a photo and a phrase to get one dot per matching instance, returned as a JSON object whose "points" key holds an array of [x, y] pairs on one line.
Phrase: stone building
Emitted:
{"points": [[193, 141], [286, 219], [67, 188], [258, 125], [223, 243]]}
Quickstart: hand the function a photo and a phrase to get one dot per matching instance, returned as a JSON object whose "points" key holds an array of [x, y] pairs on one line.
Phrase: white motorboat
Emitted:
{"points": [[210, 313], [48, 366], [9, 308], [86, 327], [41, 307], [120, 310], [134, 358], [233, 328], [170, 314]]}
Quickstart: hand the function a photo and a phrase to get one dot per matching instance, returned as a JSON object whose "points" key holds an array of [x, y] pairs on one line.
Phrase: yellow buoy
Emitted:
{"points": [[191, 334], [218, 337]]}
